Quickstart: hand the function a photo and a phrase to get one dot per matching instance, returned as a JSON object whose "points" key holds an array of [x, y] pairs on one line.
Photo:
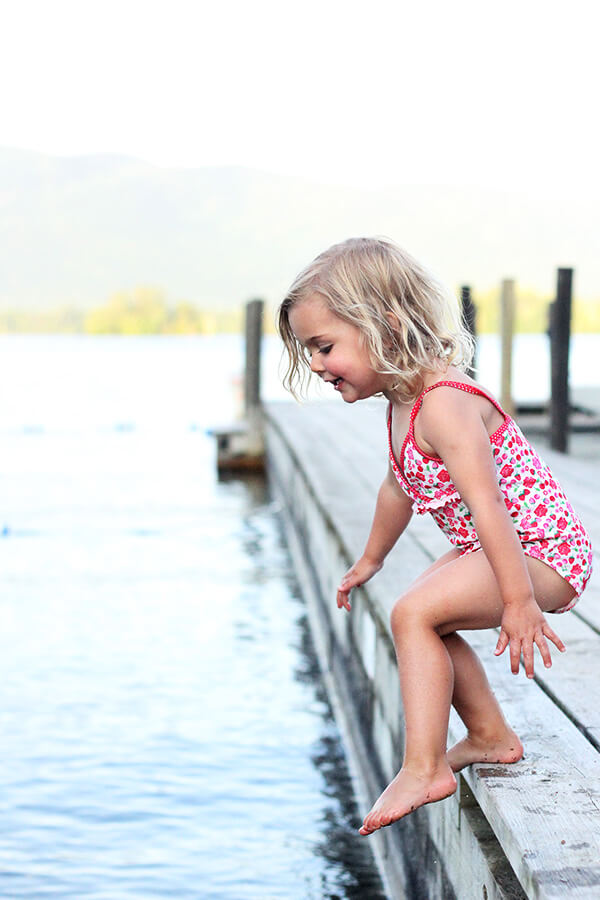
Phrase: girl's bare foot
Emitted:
{"points": [[506, 749], [406, 793]]}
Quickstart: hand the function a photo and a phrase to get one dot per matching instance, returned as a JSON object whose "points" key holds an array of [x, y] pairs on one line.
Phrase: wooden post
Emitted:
{"points": [[254, 319], [507, 327], [560, 337], [469, 314], [240, 447]]}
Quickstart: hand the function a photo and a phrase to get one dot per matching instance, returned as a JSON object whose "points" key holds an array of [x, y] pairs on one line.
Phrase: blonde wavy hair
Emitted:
{"points": [[410, 324]]}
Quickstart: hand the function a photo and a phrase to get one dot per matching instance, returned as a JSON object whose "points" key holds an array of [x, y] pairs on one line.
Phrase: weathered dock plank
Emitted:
{"points": [[528, 830]]}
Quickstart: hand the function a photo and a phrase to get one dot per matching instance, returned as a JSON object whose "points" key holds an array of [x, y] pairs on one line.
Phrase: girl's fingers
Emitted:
{"points": [[525, 646], [347, 584], [515, 656], [502, 643], [528, 658], [349, 581], [554, 638], [343, 599], [542, 646]]}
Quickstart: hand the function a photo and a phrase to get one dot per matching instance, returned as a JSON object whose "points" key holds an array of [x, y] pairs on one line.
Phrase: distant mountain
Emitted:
{"points": [[75, 230]]}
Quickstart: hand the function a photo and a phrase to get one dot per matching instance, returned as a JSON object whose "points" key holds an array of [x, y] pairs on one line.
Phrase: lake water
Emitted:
{"points": [[164, 731]]}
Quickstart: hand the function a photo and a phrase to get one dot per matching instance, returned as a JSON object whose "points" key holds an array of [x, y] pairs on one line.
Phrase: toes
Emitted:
{"points": [[375, 821], [395, 815], [370, 824], [364, 828]]}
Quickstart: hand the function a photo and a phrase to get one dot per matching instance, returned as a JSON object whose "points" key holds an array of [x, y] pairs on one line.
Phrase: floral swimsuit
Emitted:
{"points": [[545, 521]]}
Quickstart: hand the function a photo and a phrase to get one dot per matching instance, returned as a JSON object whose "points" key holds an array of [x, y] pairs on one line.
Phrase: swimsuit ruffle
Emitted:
{"points": [[429, 504]]}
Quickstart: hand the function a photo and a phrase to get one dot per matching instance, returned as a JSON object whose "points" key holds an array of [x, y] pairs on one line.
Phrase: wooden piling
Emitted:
{"points": [[507, 327], [240, 447], [469, 314], [560, 338], [254, 326]]}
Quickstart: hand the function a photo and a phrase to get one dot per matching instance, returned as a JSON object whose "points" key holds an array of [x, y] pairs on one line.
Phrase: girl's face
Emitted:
{"points": [[338, 355]]}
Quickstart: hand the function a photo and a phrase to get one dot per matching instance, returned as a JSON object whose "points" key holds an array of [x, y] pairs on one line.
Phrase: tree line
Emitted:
{"points": [[145, 311]]}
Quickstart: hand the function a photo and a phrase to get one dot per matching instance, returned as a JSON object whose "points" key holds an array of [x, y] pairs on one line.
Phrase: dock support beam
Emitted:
{"points": [[507, 327], [241, 447], [469, 314], [254, 326], [560, 338]]}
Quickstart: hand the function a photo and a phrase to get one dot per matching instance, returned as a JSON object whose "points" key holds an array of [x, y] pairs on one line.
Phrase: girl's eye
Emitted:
{"points": [[325, 350]]}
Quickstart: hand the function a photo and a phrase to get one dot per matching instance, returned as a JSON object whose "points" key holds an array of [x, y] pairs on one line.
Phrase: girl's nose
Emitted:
{"points": [[316, 364]]}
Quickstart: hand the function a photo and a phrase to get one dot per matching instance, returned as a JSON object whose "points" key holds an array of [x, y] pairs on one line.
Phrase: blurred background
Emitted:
{"points": [[164, 729]]}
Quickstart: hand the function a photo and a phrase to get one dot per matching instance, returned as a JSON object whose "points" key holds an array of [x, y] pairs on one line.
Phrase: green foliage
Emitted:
{"points": [[586, 316], [65, 320], [142, 312], [532, 312], [185, 318], [145, 310]]}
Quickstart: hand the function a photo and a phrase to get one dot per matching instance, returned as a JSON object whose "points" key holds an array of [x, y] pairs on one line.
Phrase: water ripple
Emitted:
{"points": [[164, 729]]}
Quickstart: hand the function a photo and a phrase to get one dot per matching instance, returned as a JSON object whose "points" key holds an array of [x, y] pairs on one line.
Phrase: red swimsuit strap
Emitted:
{"points": [[461, 386]]}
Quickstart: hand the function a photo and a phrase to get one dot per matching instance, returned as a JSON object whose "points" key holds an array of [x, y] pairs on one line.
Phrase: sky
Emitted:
{"points": [[371, 93]]}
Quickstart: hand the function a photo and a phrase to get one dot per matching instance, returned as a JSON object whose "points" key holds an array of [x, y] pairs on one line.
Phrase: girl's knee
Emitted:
{"points": [[415, 609], [402, 613]]}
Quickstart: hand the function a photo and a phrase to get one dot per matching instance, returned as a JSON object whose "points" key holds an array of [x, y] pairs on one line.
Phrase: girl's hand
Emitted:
{"points": [[523, 625], [360, 572]]}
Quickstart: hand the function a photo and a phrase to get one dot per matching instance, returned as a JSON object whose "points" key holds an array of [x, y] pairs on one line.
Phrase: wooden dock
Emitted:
{"points": [[530, 830]]}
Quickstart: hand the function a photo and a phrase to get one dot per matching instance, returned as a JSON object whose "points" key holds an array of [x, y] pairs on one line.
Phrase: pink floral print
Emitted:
{"points": [[547, 526]]}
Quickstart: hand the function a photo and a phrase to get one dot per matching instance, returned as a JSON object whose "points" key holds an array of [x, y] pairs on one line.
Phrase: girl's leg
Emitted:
{"points": [[462, 594], [489, 737]]}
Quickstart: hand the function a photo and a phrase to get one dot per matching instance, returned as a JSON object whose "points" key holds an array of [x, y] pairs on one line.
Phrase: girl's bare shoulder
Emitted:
{"points": [[460, 407]]}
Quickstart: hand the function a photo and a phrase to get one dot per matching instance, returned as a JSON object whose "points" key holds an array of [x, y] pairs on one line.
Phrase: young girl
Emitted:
{"points": [[369, 320]]}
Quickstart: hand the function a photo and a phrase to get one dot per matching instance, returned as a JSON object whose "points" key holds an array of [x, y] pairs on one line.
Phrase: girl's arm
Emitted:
{"points": [[452, 424], [392, 514]]}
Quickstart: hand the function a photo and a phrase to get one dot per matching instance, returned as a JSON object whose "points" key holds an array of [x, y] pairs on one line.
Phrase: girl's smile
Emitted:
{"points": [[338, 354]]}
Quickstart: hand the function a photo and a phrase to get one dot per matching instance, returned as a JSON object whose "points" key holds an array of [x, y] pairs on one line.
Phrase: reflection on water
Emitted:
{"points": [[164, 732], [301, 782], [350, 857]]}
